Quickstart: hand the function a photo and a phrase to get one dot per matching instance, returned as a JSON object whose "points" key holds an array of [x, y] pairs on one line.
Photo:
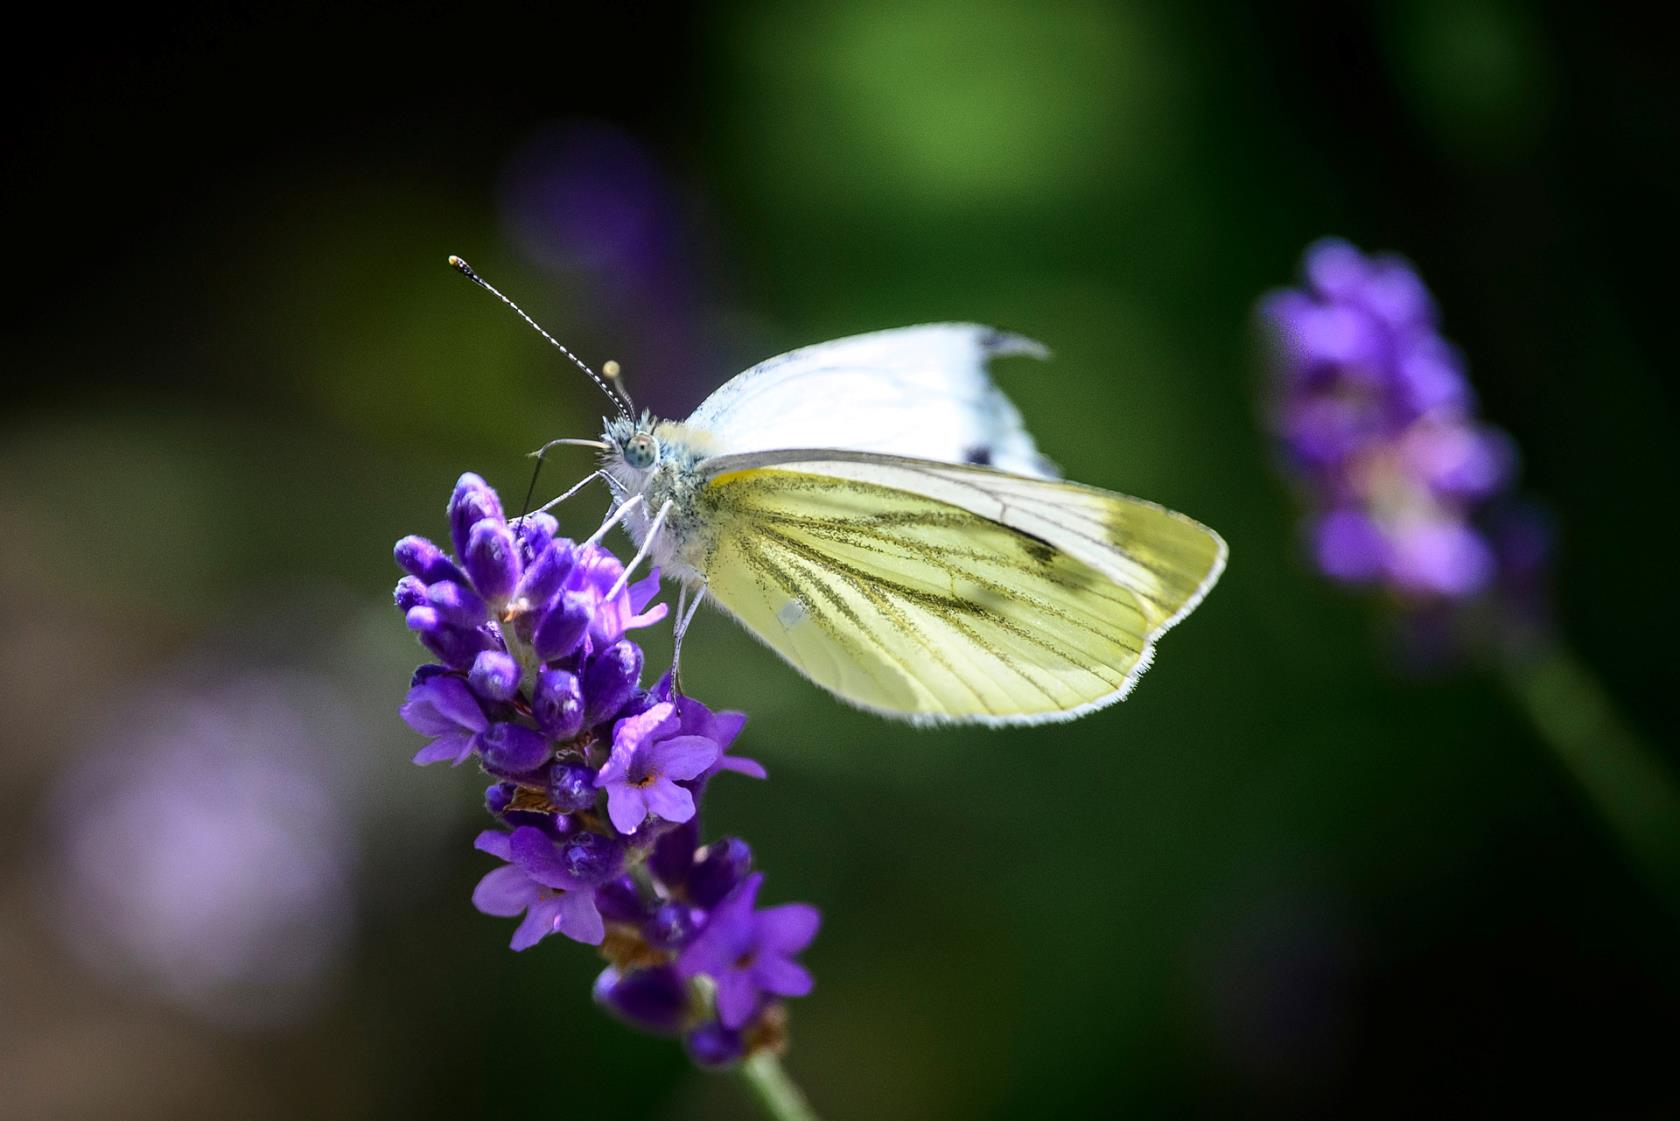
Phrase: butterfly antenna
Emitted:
{"points": [[467, 271], [539, 454], [615, 374], [530, 489]]}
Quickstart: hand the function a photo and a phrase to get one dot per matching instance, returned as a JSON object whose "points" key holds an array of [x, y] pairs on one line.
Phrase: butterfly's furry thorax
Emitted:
{"points": [[674, 477]]}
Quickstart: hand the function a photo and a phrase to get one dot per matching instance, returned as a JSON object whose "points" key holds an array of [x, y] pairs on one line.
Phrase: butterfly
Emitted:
{"points": [[874, 511]]}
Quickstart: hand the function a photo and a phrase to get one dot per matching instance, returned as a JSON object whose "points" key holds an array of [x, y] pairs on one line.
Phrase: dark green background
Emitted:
{"points": [[1286, 879]]}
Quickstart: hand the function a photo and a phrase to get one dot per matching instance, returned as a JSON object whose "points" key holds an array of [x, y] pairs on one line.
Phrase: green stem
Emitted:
{"points": [[1628, 783], [524, 655], [776, 1094]]}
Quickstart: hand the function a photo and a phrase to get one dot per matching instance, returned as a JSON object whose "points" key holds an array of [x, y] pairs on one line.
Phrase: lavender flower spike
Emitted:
{"points": [[599, 782], [1405, 489], [1408, 493]]}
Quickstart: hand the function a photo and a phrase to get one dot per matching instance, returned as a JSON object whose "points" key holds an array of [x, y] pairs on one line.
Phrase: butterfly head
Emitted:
{"points": [[632, 443]]}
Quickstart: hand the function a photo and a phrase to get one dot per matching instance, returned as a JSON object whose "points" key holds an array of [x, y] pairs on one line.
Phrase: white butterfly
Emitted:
{"points": [[873, 510]]}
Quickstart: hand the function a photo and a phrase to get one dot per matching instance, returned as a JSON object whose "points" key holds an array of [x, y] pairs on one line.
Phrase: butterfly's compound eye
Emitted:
{"points": [[641, 451]]}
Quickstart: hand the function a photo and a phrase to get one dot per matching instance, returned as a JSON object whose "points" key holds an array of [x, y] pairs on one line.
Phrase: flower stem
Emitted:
{"points": [[776, 1094], [524, 655], [1628, 783]]}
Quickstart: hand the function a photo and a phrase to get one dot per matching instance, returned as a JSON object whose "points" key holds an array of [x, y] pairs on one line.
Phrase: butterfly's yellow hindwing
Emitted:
{"points": [[901, 601]]}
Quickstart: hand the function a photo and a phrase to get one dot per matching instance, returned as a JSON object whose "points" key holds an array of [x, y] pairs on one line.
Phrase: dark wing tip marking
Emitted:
{"points": [[995, 341]]}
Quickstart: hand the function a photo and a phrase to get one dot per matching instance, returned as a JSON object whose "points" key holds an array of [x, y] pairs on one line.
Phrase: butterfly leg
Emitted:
{"points": [[553, 502], [613, 519], [677, 632], [647, 544]]}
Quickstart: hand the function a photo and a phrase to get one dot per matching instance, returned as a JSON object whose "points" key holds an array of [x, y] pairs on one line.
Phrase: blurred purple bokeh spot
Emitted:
{"points": [[1280, 977], [585, 196], [596, 207], [203, 854]]}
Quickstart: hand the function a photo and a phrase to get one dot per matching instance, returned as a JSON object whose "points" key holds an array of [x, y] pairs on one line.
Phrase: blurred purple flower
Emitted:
{"points": [[601, 209], [208, 858], [1376, 422], [713, 1045], [655, 999], [600, 781], [586, 195], [750, 952]]}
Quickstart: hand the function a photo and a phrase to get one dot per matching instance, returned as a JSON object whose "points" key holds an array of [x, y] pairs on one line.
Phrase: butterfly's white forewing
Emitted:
{"points": [[914, 391]]}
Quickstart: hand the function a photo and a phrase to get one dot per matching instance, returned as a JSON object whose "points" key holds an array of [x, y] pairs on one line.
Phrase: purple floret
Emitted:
{"points": [[649, 757], [551, 902], [749, 953], [445, 708], [656, 1000]]}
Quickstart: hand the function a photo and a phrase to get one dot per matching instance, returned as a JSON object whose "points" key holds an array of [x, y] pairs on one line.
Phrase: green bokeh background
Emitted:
{"points": [[1289, 877]]}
